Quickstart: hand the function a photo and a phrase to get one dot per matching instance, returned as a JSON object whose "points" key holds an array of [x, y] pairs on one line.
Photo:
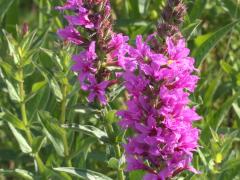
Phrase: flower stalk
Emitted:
{"points": [[101, 46], [24, 114], [62, 121], [117, 150]]}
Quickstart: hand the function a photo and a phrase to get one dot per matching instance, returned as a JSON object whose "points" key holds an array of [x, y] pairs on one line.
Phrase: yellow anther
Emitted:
{"points": [[170, 62]]}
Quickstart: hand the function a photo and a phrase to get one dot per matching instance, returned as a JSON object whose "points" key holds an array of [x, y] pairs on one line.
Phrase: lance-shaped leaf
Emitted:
{"points": [[56, 88], [17, 172], [9, 117], [83, 173], [211, 42], [4, 7], [12, 92], [53, 132], [143, 6], [222, 112], [89, 130], [190, 29], [197, 9], [11, 45], [38, 85], [24, 146], [38, 143]]}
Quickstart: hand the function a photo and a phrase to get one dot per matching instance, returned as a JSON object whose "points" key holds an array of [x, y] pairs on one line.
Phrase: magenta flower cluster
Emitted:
{"points": [[159, 86], [102, 47]]}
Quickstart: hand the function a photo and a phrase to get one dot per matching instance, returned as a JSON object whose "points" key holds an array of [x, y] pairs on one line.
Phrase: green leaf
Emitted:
{"points": [[28, 41], [39, 102], [25, 148], [11, 45], [38, 85], [86, 109], [211, 89], [143, 6], [88, 130], [4, 7], [111, 116], [12, 92], [81, 151], [116, 91], [53, 132], [113, 163], [237, 111], [226, 67], [232, 7], [202, 157], [56, 88], [199, 40], [214, 135], [83, 173], [38, 143], [9, 117], [57, 61], [17, 172], [191, 29], [197, 9], [222, 112], [9, 69], [211, 42], [231, 164]]}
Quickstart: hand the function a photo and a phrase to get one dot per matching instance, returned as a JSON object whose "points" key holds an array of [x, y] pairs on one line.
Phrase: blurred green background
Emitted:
{"points": [[213, 32]]}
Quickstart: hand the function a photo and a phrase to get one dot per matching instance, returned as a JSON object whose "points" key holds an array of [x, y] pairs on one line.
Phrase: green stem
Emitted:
{"points": [[63, 104], [40, 21], [25, 119], [117, 150], [62, 121]]}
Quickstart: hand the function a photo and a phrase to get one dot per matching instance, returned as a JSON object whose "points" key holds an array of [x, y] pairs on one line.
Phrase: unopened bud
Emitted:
{"points": [[25, 29]]}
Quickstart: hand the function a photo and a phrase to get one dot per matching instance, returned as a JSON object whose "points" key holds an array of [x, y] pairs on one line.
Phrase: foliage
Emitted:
{"points": [[46, 126]]}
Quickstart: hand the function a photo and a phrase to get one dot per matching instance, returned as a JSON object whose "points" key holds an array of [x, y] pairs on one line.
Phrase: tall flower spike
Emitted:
{"points": [[158, 111], [159, 85], [100, 44]]}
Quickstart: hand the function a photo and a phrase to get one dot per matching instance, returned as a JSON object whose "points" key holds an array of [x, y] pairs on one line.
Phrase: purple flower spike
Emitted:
{"points": [[101, 46], [158, 110]]}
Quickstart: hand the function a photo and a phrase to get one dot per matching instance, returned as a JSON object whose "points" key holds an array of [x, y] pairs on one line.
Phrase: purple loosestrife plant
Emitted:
{"points": [[158, 75], [101, 46], [158, 111]]}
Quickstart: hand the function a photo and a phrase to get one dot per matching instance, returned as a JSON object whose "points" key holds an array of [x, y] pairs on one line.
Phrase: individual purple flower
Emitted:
{"points": [[70, 34], [97, 90], [118, 45], [81, 19], [71, 4], [142, 51]]}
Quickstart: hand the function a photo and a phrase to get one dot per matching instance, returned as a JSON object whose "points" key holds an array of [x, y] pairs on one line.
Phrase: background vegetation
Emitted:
{"points": [[39, 93]]}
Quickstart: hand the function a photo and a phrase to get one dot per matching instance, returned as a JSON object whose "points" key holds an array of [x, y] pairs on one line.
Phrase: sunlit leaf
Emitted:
{"points": [[211, 42], [53, 132], [13, 119], [18, 172], [83, 173], [89, 130], [24, 146]]}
